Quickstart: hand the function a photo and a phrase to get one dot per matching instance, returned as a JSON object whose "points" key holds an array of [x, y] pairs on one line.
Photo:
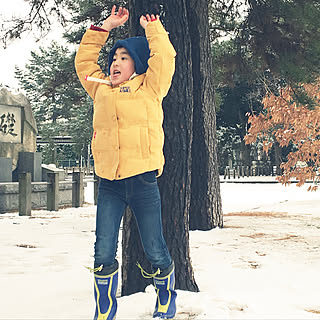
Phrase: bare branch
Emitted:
{"points": [[39, 20]]}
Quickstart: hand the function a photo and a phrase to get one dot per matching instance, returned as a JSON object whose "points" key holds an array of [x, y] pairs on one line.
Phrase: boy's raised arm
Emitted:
{"points": [[115, 19], [86, 61], [144, 20], [162, 56]]}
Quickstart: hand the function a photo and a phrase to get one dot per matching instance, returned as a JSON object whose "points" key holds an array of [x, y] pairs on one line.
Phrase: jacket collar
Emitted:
{"points": [[134, 82]]}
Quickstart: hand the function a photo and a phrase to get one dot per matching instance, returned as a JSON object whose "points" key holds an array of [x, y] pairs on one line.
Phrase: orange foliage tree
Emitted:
{"points": [[286, 121]]}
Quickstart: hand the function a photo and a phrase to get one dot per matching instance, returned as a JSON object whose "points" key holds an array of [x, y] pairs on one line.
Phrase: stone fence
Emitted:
{"points": [[25, 195], [254, 170]]}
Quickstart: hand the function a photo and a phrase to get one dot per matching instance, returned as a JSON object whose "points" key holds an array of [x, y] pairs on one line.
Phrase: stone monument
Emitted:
{"points": [[18, 134]]}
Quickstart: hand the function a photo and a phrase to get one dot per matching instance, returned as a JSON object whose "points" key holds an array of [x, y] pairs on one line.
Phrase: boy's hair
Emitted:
{"points": [[138, 48]]}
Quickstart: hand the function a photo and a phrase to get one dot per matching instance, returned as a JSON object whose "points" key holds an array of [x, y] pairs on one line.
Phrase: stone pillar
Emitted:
{"points": [[53, 191], [77, 189], [25, 190]]}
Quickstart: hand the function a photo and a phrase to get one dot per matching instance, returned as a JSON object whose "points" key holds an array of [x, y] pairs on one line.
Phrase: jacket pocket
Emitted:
{"points": [[144, 143]]}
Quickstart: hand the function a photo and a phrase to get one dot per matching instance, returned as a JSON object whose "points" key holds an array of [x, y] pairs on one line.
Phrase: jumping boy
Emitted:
{"points": [[127, 148]]}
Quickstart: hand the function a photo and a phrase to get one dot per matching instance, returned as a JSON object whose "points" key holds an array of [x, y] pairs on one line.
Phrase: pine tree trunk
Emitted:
{"points": [[246, 150], [175, 183], [132, 252], [205, 210]]}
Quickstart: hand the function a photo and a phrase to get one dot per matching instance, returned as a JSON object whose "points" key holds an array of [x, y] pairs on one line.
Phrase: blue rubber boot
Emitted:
{"points": [[105, 289], [166, 295]]}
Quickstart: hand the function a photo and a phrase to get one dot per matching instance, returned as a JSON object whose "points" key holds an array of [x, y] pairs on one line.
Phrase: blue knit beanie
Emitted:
{"points": [[138, 48]]}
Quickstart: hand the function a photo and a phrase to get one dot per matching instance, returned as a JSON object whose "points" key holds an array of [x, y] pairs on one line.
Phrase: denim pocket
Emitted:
{"points": [[148, 177]]}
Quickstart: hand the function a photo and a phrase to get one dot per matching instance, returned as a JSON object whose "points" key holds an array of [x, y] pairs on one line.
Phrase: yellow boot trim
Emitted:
{"points": [[146, 274], [93, 270], [165, 277], [104, 316], [164, 308]]}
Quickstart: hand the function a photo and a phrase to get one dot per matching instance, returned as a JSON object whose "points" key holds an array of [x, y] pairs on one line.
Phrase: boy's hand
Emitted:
{"points": [[115, 19], [144, 20]]}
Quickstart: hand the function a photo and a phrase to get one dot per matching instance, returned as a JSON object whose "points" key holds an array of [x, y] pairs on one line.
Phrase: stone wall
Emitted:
{"points": [[9, 195]]}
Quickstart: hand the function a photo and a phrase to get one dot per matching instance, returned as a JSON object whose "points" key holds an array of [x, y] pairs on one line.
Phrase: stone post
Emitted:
{"points": [[53, 191], [77, 189], [25, 190]]}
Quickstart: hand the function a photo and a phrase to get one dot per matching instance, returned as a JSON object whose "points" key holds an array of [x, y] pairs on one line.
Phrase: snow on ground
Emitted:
{"points": [[264, 263]]}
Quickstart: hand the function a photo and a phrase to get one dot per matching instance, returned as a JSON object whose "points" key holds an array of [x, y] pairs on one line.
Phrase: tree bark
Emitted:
{"points": [[206, 209], [132, 252], [175, 183]]}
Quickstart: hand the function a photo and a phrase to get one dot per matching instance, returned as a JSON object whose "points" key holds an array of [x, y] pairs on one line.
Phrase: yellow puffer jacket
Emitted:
{"points": [[128, 136]]}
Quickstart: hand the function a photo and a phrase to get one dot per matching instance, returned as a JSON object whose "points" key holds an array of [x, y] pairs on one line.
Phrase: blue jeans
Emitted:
{"points": [[141, 194]]}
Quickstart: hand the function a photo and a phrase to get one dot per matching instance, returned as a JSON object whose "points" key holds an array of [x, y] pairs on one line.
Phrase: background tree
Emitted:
{"points": [[205, 206], [282, 37], [56, 97], [236, 102], [42, 16], [45, 82], [278, 35], [269, 44], [80, 129], [285, 121]]}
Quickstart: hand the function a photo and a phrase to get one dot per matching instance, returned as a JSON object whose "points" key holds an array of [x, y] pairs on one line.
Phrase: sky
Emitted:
{"points": [[19, 51]]}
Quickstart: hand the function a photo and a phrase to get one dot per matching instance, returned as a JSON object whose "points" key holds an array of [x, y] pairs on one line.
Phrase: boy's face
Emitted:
{"points": [[122, 67]]}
